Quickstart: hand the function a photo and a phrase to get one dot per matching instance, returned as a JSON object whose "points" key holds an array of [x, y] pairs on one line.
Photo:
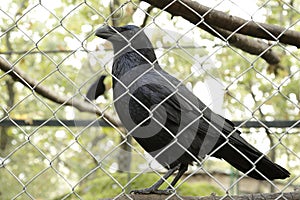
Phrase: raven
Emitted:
{"points": [[96, 89], [168, 120]]}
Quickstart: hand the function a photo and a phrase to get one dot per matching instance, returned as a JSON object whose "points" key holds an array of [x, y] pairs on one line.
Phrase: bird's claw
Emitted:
{"points": [[151, 191]]}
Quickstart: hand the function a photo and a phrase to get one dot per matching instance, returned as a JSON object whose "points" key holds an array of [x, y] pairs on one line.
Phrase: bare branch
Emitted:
{"points": [[215, 22], [147, 14], [113, 4], [194, 12], [246, 44], [35, 86]]}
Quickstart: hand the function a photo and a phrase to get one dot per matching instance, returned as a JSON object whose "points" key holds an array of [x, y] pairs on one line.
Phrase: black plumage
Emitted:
{"points": [[168, 120], [96, 89]]}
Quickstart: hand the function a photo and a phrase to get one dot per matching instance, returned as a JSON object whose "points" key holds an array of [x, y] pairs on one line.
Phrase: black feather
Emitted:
{"points": [[168, 120], [96, 89]]}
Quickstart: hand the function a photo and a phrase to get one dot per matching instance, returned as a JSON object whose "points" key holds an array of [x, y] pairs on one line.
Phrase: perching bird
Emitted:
{"points": [[96, 89], [168, 120]]}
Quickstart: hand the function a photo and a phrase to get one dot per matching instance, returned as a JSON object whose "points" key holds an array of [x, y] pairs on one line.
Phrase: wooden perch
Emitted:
{"points": [[223, 26], [35, 86], [260, 196]]}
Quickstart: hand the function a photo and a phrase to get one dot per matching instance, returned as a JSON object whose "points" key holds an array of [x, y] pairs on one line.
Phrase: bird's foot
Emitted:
{"points": [[152, 191]]}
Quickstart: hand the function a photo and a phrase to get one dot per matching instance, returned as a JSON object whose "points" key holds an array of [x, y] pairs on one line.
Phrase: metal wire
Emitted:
{"points": [[59, 148]]}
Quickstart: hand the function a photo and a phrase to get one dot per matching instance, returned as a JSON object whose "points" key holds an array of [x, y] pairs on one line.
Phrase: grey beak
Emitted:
{"points": [[105, 32]]}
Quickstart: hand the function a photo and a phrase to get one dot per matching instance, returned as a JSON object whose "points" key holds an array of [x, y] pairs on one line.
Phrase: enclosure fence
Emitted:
{"points": [[55, 143]]}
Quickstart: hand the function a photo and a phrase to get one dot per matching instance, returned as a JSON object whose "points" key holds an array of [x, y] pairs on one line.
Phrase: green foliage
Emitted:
{"points": [[53, 43]]}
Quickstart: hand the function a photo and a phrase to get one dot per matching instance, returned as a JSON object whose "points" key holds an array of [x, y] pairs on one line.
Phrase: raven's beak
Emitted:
{"points": [[105, 32]]}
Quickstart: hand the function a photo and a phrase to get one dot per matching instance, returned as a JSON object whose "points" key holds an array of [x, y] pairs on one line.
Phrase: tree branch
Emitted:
{"points": [[223, 25], [246, 44], [35, 86], [265, 196], [228, 22], [147, 14]]}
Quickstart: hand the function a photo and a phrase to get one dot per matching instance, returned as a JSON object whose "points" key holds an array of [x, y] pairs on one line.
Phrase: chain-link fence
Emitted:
{"points": [[61, 137]]}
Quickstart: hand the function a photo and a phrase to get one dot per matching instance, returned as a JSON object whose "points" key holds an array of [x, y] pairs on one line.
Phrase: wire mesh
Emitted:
{"points": [[50, 57]]}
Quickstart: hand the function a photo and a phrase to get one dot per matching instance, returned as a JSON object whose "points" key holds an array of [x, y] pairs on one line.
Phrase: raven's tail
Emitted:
{"points": [[246, 155]]}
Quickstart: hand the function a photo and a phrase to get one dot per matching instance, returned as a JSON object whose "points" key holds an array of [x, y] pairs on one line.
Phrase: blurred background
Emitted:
{"points": [[51, 150]]}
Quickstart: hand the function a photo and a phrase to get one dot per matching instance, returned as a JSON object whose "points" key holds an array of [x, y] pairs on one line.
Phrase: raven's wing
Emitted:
{"points": [[195, 104], [173, 106], [172, 125], [159, 94]]}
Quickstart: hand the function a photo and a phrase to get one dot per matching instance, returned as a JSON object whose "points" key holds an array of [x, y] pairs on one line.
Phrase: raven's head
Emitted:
{"points": [[125, 36]]}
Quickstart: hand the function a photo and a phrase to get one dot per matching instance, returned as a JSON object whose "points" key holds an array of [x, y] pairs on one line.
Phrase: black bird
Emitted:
{"points": [[96, 89], [168, 120]]}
